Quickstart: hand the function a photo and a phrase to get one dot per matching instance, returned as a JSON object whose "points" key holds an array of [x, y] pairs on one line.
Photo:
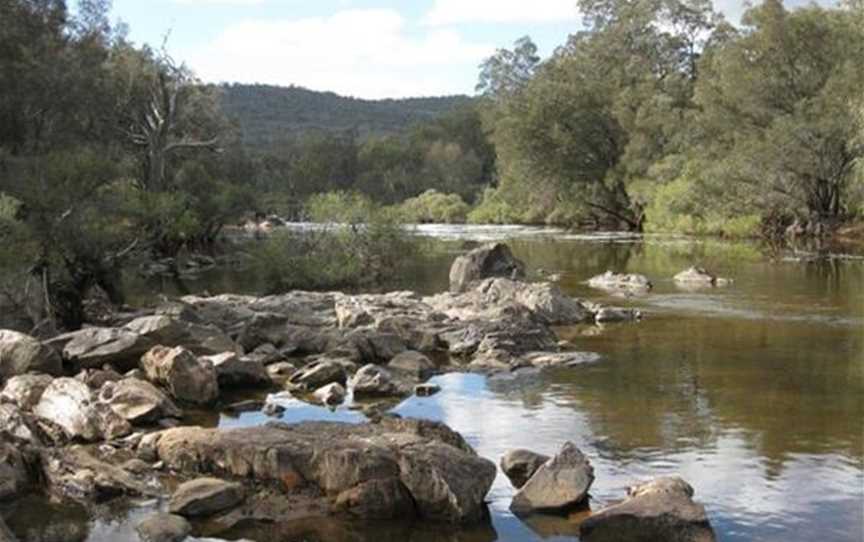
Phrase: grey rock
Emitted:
{"points": [[21, 353], [233, 370], [520, 465], [374, 381], [331, 394], [560, 483], [614, 314], [695, 278], [74, 473], [620, 281], [412, 364], [281, 370], [205, 497], [14, 473], [68, 403], [317, 374], [138, 401], [25, 390], [163, 528], [187, 377], [96, 378], [662, 509], [199, 338], [492, 260], [91, 348]]}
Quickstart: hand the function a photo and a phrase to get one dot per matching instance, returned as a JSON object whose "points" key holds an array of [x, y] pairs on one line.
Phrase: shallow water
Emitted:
{"points": [[754, 392]]}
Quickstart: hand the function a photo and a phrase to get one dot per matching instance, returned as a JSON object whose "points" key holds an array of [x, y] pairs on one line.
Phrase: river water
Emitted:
{"points": [[754, 392]]}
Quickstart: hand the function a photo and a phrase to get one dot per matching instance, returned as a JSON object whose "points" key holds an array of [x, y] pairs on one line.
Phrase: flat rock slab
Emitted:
{"points": [[560, 483], [205, 497], [446, 480]]}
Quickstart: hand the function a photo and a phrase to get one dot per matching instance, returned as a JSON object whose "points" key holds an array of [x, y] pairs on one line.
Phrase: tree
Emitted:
{"points": [[507, 71], [777, 103]]}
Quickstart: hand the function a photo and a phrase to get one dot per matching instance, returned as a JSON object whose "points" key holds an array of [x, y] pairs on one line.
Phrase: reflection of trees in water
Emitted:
{"points": [[671, 385]]}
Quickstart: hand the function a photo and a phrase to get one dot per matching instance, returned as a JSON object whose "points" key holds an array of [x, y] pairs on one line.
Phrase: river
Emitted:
{"points": [[754, 392]]}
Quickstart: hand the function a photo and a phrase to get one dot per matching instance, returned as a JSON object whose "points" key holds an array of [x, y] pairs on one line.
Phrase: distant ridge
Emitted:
{"points": [[269, 114]]}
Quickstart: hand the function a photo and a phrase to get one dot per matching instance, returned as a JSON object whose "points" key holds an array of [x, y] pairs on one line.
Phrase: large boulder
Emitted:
{"points": [[205, 497], [620, 281], [520, 465], [318, 374], [92, 348], [163, 527], [20, 354], [187, 377], [492, 260], [350, 467], [662, 509], [169, 331], [233, 370], [138, 401], [68, 403], [559, 484], [25, 390]]}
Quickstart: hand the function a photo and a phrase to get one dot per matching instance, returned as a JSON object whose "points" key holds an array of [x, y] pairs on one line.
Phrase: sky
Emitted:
{"points": [[363, 48]]}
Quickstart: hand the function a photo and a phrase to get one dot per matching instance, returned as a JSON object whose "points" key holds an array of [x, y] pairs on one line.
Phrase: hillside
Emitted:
{"points": [[267, 114]]}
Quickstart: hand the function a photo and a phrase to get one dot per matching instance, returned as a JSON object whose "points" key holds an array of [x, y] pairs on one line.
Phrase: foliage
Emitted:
{"points": [[434, 207]]}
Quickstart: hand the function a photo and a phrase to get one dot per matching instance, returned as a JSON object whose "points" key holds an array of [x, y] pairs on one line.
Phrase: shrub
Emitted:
{"points": [[434, 207]]}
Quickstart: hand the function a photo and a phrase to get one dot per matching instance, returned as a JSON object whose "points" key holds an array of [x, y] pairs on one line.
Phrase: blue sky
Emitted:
{"points": [[363, 48]]}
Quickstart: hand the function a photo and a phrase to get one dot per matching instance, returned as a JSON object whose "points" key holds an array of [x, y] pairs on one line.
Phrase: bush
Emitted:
{"points": [[434, 207]]}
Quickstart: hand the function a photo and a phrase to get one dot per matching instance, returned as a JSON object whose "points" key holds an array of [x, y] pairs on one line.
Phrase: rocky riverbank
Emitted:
{"points": [[101, 413]]}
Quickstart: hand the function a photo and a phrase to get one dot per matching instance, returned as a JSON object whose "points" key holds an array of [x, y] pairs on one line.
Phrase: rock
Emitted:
{"points": [[662, 509], [163, 528], [18, 425], [198, 338], [323, 460], [281, 370], [14, 473], [20, 354], [492, 260], [446, 486], [236, 371], [374, 381], [331, 394], [205, 497], [520, 465], [91, 348], [187, 377], [74, 473], [273, 410], [95, 378], [25, 390], [385, 498], [317, 374], [426, 390], [614, 314], [412, 364], [138, 401], [620, 281], [560, 483], [543, 360], [68, 403], [696, 277]]}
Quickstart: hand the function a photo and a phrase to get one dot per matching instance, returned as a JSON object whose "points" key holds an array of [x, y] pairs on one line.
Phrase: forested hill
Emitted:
{"points": [[268, 114]]}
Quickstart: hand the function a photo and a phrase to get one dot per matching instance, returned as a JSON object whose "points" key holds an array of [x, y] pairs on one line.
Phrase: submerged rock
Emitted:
{"points": [[620, 281], [319, 461], [696, 277], [662, 509], [187, 377], [21, 353], [205, 497], [520, 465], [560, 483], [163, 528], [492, 260]]}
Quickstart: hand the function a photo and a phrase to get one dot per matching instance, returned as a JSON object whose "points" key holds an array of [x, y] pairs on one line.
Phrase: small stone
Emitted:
{"points": [[426, 390]]}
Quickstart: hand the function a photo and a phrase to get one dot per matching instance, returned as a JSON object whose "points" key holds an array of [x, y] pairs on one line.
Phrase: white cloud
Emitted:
{"points": [[220, 2], [367, 53], [446, 12]]}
